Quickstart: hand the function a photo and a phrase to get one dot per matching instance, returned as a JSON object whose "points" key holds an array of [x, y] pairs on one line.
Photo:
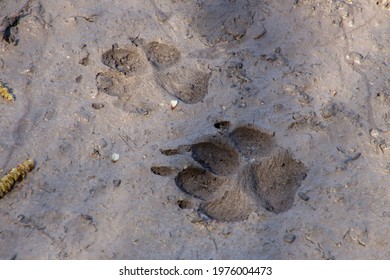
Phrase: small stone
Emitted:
{"points": [[184, 204], [115, 157], [174, 104], [386, 214], [97, 106], [303, 196], [304, 98], [242, 104], [142, 111], [289, 238], [354, 58], [278, 108], [117, 182], [374, 133], [222, 125]]}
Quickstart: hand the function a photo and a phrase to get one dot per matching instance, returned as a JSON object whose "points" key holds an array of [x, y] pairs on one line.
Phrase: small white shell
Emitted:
{"points": [[174, 104], [115, 157], [374, 133]]}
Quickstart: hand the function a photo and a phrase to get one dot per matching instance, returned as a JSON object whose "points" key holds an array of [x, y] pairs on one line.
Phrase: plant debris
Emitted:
{"points": [[5, 93], [15, 175]]}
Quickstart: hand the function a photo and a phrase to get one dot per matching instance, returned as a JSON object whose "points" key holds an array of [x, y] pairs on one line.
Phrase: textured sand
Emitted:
{"points": [[277, 148]]}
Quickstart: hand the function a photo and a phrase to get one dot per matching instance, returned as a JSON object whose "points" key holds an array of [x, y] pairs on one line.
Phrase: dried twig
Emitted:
{"points": [[5, 93]]}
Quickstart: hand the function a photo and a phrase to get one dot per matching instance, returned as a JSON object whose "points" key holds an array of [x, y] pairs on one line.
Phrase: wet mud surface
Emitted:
{"points": [[244, 129]]}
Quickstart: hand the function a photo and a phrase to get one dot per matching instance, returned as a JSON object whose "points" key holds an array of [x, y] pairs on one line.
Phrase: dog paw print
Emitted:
{"points": [[236, 172], [130, 69]]}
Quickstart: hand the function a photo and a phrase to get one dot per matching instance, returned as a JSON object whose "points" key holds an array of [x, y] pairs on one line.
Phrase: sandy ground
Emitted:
{"points": [[277, 148]]}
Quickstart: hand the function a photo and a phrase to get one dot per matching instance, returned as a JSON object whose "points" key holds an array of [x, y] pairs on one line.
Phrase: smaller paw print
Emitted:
{"points": [[235, 172], [136, 74]]}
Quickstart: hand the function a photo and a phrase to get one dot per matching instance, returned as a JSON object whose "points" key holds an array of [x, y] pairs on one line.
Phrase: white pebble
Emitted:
{"points": [[115, 157], [174, 104]]}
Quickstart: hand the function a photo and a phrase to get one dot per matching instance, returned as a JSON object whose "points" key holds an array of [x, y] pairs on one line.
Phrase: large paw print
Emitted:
{"points": [[237, 172], [131, 66]]}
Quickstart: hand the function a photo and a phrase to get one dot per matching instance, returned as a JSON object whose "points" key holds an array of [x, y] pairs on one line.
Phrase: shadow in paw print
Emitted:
{"points": [[188, 84], [275, 180], [223, 201], [163, 170], [162, 55], [199, 182], [215, 156], [235, 205], [134, 96], [252, 142], [129, 61], [240, 171]]}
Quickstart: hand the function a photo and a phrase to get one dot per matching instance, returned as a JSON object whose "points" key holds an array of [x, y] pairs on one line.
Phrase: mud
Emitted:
{"points": [[276, 149]]}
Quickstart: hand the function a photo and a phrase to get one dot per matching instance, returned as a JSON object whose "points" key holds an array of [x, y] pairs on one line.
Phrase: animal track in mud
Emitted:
{"points": [[252, 142], [162, 55], [198, 182], [128, 61], [126, 78], [188, 84], [221, 21], [235, 174], [134, 96], [216, 157], [275, 180]]}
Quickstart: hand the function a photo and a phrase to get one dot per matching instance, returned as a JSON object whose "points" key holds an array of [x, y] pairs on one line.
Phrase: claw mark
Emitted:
{"points": [[16, 174]]}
